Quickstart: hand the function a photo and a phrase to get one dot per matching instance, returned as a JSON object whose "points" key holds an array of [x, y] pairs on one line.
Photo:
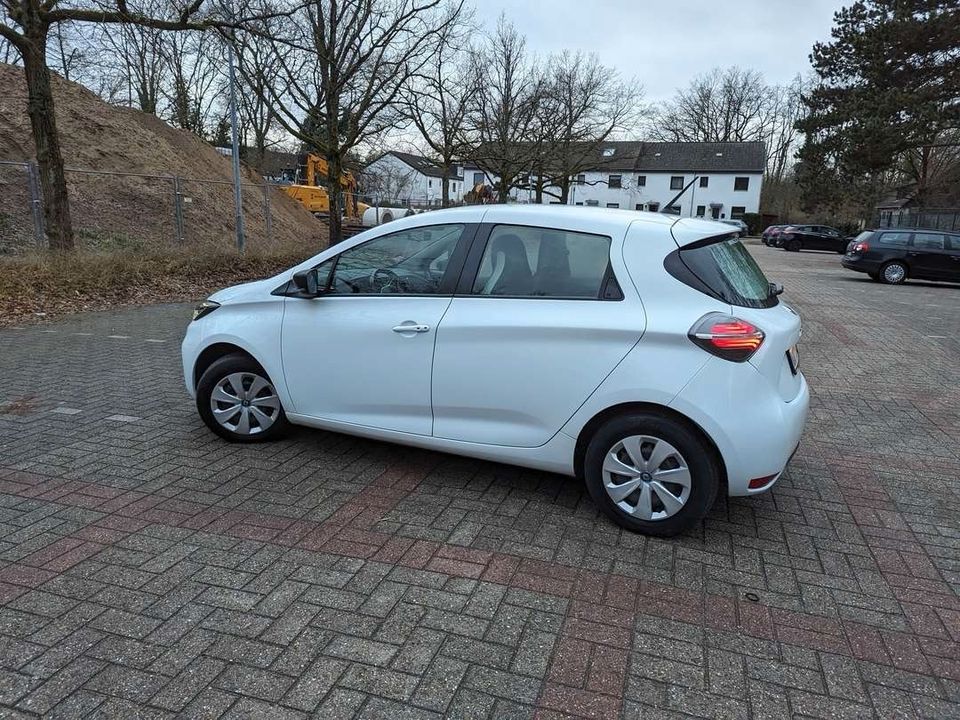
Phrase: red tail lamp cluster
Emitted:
{"points": [[727, 337]]}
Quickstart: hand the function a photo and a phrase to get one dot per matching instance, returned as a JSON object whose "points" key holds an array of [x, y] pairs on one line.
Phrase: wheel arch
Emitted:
{"points": [[594, 423], [214, 352]]}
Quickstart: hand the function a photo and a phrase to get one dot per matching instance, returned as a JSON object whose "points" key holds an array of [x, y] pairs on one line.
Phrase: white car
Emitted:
{"points": [[646, 354]]}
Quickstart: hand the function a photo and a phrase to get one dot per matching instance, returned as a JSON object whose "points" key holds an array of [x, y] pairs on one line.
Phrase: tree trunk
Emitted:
{"points": [[53, 180], [335, 191], [445, 188], [564, 190]]}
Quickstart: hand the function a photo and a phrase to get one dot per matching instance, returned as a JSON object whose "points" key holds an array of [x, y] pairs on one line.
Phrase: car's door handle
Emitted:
{"points": [[411, 328], [912, 254]]}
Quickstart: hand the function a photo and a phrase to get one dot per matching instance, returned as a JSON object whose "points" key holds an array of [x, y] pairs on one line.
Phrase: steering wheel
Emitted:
{"points": [[385, 281]]}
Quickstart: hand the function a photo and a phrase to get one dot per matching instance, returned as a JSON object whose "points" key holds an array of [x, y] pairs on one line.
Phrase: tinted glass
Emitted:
{"points": [[540, 262], [729, 270], [895, 239], [953, 241], [928, 241], [408, 262]]}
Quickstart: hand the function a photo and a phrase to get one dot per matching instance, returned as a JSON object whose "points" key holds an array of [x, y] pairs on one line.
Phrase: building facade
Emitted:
{"points": [[403, 179]]}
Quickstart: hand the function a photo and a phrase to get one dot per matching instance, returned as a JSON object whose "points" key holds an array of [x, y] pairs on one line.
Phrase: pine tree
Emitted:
{"points": [[888, 85]]}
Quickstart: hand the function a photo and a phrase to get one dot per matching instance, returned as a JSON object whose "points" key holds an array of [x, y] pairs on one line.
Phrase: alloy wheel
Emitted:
{"points": [[646, 477], [244, 403], [894, 273]]}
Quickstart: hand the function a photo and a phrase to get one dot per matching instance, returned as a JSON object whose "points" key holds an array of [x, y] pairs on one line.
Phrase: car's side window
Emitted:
{"points": [[954, 241], [895, 239], [521, 261], [928, 241], [409, 262]]}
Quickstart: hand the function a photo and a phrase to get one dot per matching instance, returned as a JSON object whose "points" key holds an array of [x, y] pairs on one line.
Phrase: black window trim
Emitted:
{"points": [[447, 284], [471, 267]]}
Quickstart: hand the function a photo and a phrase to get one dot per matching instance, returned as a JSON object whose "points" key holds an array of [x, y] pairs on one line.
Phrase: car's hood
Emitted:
{"points": [[245, 291]]}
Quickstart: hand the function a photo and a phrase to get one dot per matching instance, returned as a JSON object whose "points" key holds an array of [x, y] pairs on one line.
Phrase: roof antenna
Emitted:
{"points": [[667, 208]]}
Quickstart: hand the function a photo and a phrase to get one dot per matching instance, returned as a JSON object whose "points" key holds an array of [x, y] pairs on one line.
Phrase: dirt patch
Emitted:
{"points": [[135, 213], [40, 287]]}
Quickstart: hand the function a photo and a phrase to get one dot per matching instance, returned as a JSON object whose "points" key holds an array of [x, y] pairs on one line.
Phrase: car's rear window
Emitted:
{"points": [[729, 271]]}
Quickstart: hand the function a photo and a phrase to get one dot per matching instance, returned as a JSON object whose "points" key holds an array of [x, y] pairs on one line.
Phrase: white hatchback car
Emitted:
{"points": [[646, 354]]}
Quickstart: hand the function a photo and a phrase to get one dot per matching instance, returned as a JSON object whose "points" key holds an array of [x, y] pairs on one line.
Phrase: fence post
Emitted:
{"points": [[267, 212], [36, 203], [178, 209]]}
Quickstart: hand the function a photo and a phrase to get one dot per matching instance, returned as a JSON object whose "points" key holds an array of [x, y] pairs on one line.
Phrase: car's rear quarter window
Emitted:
{"points": [[725, 269]]}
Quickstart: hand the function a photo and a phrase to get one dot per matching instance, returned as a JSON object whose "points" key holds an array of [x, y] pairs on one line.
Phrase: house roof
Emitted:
{"points": [[422, 165], [666, 157]]}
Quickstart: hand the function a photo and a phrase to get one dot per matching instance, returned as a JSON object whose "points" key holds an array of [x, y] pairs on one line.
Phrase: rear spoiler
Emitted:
{"points": [[687, 231]]}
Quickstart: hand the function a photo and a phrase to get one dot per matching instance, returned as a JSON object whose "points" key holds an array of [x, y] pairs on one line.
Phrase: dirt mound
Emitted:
{"points": [[138, 209]]}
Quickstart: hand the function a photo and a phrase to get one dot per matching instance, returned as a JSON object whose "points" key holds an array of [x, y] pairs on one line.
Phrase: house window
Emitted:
{"points": [[704, 181], [581, 179], [454, 187], [430, 183], [613, 205], [478, 178], [608, 152], [641, 180], [676, 182], [737, 212], [593, 203], [615, 181], [741, 183], [578, 203], [653, 207], [701, 210], [638, 206]]}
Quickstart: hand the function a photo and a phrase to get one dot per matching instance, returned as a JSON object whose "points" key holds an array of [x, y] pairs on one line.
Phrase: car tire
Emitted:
{"points": [[893, 273], [634, 441], [793, 246], [237, 382]]}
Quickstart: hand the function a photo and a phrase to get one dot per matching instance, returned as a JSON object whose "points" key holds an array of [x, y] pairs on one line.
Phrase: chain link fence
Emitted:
{"points": [[115, 210]]}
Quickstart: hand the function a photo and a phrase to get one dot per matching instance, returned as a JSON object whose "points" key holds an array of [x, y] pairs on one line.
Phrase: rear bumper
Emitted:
{"points": [[745, 415], [859, 264]]}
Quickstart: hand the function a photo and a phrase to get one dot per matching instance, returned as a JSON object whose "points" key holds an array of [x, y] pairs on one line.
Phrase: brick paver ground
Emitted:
{"points": [[148, 569]]}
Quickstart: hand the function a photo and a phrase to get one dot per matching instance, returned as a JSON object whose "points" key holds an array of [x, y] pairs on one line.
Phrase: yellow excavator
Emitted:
{"points": [[316, 198]]}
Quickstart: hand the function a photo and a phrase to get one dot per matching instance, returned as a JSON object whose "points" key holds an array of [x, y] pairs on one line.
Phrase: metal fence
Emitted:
{"points": [[932, 219], [115, 210]]}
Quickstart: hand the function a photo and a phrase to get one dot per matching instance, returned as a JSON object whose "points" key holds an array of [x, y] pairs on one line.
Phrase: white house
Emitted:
{"points": [[398, 178], [724, 178]]}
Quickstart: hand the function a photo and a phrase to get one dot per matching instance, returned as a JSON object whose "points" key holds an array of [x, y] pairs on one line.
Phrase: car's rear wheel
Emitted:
{"points": [[794, 246], [893, 273], [237, 400], [651, 474]]}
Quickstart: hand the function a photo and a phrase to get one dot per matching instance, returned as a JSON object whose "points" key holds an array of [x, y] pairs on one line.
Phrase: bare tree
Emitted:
{"points": [[585, 104], [138, 53], [27, 24], [343, 65], [194, 65], [730, 105], [440, 98], [503, 115]]}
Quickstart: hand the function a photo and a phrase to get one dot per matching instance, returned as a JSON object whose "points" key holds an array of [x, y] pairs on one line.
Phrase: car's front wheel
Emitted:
{"points": [[237, 400], [651, 474], [794, 246]]}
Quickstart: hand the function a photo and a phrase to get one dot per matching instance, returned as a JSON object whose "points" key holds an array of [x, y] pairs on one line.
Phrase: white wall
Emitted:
{"points": [[657, 189]]}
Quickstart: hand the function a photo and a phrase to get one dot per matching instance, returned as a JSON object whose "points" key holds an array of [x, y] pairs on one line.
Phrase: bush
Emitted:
{"points": [[754, 222]]}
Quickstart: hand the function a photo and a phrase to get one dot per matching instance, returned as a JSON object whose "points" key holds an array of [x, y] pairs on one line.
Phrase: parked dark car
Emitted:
{"points": [[894, 255], [770, 235], [812, 237]]}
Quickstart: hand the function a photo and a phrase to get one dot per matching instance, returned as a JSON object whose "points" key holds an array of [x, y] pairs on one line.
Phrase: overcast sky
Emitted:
{"points": [[666, 44]]}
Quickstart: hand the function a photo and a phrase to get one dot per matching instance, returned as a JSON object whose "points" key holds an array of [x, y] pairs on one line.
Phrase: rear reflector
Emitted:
{"points": [[727, 337], [761, 482]]}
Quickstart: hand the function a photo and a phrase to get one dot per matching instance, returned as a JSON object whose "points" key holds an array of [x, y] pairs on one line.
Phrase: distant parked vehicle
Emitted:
{"points": [[771, 234], [812, 237], [895, 255], [743, 230]]}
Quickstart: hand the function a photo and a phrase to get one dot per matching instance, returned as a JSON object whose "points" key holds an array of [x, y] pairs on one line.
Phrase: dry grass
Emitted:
{"points": [[41, 286]]}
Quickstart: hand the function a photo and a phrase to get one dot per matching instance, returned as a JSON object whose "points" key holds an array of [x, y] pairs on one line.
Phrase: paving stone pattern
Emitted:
{"points": [[148, 569]]}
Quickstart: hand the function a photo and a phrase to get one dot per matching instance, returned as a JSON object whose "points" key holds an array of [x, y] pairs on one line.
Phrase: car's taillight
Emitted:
{"points": [[861, 247], [726, 336]]}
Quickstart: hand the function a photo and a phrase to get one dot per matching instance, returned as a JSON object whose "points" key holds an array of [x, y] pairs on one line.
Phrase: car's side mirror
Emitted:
{"points": [[308, 283]]}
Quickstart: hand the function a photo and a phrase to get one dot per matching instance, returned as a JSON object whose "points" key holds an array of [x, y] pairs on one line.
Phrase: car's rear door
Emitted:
{"points": [[953, 271], [929, 257], [538, 321]]}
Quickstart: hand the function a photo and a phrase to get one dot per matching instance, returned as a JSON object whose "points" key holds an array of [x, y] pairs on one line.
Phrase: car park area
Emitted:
{"points": [[149, 568]]}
